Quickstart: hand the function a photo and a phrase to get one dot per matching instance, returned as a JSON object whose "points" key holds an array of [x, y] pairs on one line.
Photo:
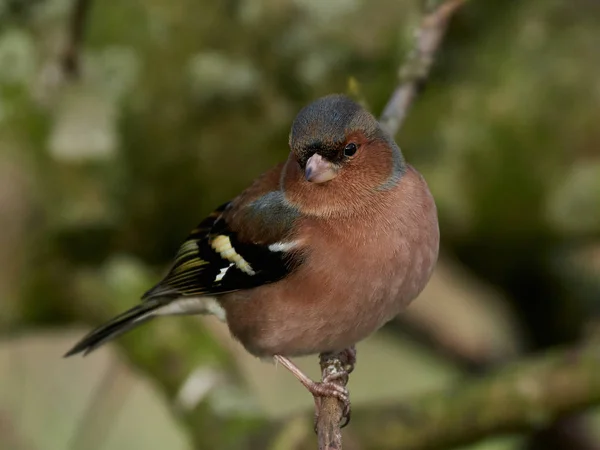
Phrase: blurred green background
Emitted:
{"points": [[179, 104]]}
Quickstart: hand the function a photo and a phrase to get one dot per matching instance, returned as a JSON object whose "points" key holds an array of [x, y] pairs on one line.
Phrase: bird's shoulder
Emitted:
{"points": [[262, 214]]}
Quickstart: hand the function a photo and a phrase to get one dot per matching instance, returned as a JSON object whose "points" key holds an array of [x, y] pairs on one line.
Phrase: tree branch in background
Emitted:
{"points": [[520, 397], [71, 58], [416, 69]]}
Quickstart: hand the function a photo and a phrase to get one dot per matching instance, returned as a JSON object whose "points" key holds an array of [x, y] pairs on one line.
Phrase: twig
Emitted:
{"points": [[71, 58], [415, 70], [330, 411]]}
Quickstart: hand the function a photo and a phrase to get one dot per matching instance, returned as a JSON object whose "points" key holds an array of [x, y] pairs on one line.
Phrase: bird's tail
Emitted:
{"points": [[121, 324]]}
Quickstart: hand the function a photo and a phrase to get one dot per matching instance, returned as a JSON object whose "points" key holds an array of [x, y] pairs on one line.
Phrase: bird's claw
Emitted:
{"points": [[327, 388]]}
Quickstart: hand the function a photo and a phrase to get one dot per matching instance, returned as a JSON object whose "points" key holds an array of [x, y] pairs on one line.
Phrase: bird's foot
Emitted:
{"points": [[328, 388], [347, 358], [319, 389]]}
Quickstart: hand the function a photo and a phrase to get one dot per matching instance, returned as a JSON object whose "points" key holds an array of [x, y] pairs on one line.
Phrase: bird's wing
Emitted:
{"points": [[242, 244]]}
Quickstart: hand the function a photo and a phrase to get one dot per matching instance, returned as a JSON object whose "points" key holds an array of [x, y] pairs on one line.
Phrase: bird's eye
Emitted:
{"points": [[350, 149]]}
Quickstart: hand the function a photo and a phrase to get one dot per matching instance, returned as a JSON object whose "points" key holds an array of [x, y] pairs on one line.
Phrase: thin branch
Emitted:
{"points": [[523, 396], [71, 58], [330, 410], [415, 70]]}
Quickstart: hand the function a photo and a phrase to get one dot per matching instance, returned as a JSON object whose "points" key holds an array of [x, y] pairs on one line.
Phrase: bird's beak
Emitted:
{"points": [[319, 170]]}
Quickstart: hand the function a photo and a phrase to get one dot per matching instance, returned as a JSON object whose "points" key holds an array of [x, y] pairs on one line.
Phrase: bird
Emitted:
{"points": [[314, 256]]}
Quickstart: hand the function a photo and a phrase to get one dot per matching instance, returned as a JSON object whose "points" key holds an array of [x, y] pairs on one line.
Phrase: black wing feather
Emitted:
{"points": [[197, 265], [196, 271]]}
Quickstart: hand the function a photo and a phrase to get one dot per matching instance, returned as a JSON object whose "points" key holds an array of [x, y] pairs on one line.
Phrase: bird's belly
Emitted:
{"points": [[325, 312]]}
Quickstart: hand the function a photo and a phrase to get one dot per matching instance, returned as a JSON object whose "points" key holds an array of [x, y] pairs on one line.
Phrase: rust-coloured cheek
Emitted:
{"points": [[319, 170]]}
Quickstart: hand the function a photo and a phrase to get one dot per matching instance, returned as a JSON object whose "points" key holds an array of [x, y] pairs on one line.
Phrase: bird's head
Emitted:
{"points": [[339, 155]]}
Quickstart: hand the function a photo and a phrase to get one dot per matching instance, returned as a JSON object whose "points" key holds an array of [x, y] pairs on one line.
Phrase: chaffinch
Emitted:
{"points": [[316, 255]]}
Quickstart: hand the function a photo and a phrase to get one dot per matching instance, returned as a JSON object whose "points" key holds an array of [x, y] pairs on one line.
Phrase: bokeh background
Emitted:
{"points": [[179, 104]]}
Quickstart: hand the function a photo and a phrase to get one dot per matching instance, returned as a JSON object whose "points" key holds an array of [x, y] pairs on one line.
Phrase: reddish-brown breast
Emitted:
{"points": [[359, 273]]}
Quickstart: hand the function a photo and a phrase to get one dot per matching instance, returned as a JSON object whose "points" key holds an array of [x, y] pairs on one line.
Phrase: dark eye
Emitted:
{"points": [[350, 149]]}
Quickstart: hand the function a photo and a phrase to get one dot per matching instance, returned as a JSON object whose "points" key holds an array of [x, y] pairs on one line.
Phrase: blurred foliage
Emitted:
{"points": [[180, 104]]}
